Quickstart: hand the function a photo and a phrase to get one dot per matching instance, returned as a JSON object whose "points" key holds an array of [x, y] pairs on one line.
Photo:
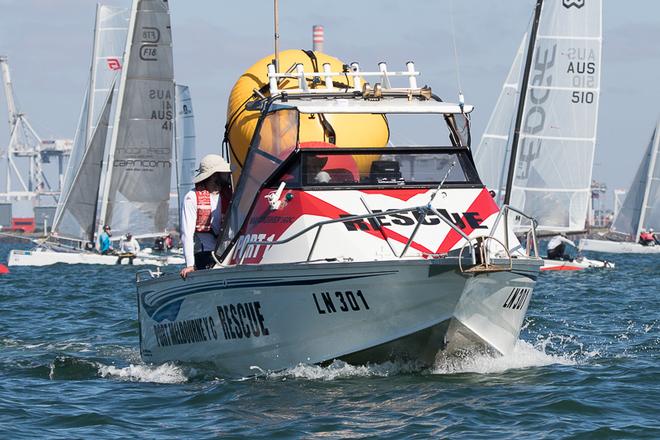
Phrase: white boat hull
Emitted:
{"points": [[579, 263], [44, 257], [616, 247], [269, 317]]}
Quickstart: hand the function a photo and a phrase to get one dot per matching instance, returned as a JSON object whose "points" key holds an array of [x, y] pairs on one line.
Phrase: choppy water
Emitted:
{"points": [[587, 366]]}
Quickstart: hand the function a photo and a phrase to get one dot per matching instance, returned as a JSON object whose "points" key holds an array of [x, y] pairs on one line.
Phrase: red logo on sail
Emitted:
{"points": [[114, 64]]}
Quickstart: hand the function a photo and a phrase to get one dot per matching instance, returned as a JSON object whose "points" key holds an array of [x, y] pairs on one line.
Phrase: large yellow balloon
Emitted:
{"points": [[351, 130]]}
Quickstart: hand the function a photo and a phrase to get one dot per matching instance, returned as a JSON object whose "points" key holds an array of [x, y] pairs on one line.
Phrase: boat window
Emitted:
{"points": [[277, 136], [388, 167]]}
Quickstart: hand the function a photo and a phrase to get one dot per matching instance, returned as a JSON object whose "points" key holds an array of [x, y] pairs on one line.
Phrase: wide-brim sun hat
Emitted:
{"points": [[209, 165]]}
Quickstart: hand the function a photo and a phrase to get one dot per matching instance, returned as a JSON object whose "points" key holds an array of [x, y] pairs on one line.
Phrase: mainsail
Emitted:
{"points": [[137, 182], [641, 207], [107, 58], [110, 30], [551, 177], [78, 208], [184, 140], [492, 155]]}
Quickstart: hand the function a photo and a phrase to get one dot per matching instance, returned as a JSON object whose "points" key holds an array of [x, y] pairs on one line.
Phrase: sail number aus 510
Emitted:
{"points": [[582, 97]]}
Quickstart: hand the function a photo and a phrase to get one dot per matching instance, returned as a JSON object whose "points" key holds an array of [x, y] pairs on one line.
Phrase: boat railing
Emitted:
{"points": [[530, 235], [424, 210], [324, 79]]}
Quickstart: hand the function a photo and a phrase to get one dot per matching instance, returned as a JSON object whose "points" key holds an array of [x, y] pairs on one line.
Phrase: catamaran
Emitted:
{"points": [[640, 210], [332, 248], [125, 182], [537, 150]]}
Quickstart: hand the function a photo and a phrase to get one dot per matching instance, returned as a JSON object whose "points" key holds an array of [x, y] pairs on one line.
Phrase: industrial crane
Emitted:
{"points": [[27, 153]]}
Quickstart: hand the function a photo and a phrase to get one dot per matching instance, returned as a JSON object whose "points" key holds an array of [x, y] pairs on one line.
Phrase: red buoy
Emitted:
{"points": [[3, 269]]}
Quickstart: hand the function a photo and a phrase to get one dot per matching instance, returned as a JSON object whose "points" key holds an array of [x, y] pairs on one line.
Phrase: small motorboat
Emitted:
{"points": [[364, 253]]}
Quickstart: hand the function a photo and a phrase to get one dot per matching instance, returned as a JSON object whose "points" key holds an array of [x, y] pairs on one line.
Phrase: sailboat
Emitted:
{"points": [[125, 182], [640, 210], [537, 151]]}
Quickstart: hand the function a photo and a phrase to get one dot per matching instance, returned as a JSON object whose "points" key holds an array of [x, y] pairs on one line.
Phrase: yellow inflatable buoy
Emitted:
{"points": [[349, 130]]}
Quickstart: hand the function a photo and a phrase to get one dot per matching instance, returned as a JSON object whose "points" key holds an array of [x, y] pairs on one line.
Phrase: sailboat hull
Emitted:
{"points": [[246, 319], [616, 247], [579, 263], [42, 257]]}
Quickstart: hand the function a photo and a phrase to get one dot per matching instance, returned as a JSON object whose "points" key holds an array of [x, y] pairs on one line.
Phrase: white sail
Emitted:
{"points": [[492, 155], [552, 176], [111, 26], [77, 210], [651, 207], [137, 182], [641, 207], [185, 140], [77, 153], [107, 58]]}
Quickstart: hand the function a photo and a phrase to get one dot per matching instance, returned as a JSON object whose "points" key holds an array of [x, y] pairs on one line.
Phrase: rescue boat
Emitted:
{"points": [[336, 250]]}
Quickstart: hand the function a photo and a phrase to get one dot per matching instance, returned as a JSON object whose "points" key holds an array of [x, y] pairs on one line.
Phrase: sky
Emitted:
{"points": [[48, 43]]}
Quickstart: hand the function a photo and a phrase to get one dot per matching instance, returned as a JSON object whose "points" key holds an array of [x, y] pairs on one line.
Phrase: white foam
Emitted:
{"points": [[524, 355], [165, 373], [342, 370]]}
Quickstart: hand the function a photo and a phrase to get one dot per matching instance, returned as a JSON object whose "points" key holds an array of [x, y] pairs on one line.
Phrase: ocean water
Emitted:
{"points": [[587, 365]]}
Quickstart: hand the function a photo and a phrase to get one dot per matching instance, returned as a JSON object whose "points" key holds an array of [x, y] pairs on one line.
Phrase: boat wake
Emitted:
{"points": [[165, 373], [341, 370], [525, 355], [548, 350]]}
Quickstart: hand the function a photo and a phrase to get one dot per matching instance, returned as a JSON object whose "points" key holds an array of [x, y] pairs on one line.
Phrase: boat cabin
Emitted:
{"points": [[303, 192]]}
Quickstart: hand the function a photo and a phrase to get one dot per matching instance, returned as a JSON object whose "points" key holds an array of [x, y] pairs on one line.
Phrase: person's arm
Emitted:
{"points": [[567, 241], [188, 221], [216, 218]]}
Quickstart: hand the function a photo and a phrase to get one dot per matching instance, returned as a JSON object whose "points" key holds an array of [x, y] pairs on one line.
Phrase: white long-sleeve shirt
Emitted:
{"points": [[198, 241], [129, 246], [557, 240]]}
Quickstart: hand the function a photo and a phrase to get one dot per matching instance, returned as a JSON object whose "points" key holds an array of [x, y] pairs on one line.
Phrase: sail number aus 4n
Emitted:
{"points": [[581, 97]]}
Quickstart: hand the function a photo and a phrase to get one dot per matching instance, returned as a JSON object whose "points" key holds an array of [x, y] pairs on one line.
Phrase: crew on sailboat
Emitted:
{"points": [[201, 212], [648, 238], [128, 248], [557, 246], [105, 245]]}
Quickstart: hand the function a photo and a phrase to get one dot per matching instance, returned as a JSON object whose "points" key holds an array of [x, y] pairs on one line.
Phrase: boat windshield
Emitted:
{"points": [[399, 166]]}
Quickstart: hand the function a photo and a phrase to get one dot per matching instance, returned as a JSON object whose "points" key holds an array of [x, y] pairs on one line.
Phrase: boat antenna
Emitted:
{"points": [[461, 98], [277, 36], [521, 102]]}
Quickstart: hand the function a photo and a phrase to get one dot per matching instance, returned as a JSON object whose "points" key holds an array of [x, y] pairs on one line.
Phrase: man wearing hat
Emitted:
{"points": [[201, 213]]}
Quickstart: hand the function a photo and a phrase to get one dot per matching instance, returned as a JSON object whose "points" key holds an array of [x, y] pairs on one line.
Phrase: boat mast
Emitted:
{"points": [[277, 36], [92, 76], [649, 179], [176, 149], [521, 102], [120, 102]]}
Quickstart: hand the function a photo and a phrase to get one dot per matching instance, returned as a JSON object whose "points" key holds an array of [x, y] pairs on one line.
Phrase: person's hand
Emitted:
{"points": [[186, 270]]}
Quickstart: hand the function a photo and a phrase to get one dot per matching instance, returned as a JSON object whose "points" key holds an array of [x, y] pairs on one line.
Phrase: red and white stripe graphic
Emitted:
{"points": [[318, 38]]}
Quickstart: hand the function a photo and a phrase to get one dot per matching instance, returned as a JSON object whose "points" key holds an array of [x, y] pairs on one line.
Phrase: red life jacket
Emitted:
{"points": [[203, 223]]}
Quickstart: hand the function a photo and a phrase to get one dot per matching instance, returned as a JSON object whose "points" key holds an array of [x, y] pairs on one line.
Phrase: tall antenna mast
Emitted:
{"points": [[277, 36], [521, 102]]}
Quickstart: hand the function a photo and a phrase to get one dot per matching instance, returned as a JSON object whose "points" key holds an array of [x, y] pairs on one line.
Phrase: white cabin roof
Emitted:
{"points": [[385, 105]]}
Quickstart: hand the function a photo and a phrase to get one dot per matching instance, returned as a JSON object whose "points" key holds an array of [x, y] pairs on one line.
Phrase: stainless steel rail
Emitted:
{"points": [[504, 213], [423, 209]]}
